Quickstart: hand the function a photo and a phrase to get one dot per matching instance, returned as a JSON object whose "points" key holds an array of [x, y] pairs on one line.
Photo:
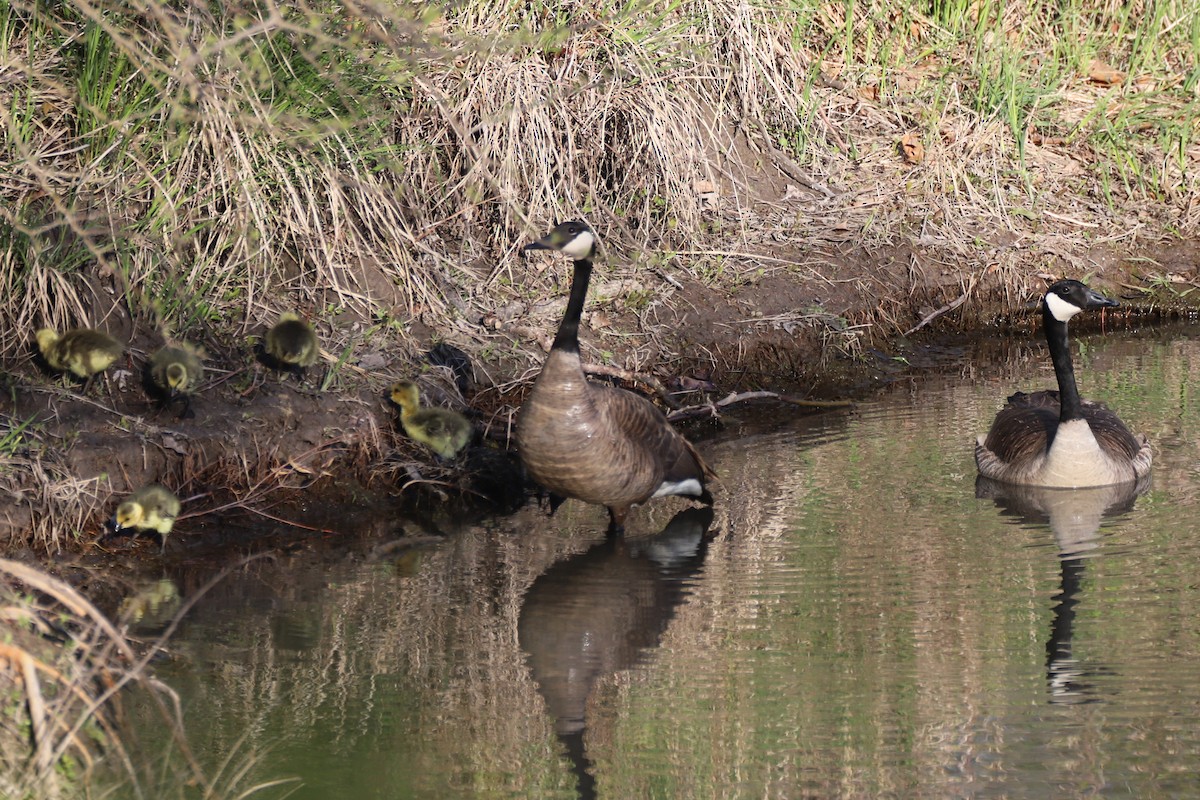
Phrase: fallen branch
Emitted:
{"points": [[633, 377], [953, 304], [710, 409]]}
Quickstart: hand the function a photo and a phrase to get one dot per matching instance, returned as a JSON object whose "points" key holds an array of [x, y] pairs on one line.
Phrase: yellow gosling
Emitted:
{"points": [[292, 344], [443, 431], [175, 372], [151, 508], [84, 352]]}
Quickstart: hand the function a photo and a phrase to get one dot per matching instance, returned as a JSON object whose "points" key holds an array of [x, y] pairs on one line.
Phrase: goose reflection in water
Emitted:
{"points": [[597, 613], [1074, 516]]}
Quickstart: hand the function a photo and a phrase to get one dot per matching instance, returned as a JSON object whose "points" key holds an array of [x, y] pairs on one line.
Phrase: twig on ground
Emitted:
{"points": [[953, 304]]}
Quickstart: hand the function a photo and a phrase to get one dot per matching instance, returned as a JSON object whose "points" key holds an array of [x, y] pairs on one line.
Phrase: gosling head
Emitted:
{"points": [[1067, 298], [574, 238], [406, 395], [130, 514], [46, 339], [177, 378]]}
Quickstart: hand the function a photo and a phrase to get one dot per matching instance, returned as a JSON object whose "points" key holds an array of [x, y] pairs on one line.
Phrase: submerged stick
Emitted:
{"points": [[710, 409]]}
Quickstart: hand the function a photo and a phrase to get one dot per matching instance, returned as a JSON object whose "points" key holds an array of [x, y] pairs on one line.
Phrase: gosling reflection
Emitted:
{"points": [[599, 612], [1074, 516]]}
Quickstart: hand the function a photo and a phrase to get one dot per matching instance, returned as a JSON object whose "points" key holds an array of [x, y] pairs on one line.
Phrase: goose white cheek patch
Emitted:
{"points": [[1061, 309], [690, 486], [581, 246]]}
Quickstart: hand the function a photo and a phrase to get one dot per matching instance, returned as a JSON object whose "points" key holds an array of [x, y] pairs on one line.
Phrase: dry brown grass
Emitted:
{"points": [[203, 168]]}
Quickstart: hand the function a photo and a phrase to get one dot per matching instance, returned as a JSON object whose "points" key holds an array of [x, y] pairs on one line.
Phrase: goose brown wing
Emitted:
{"points": [[1024, 428], [650, 439], [1112, 435]]}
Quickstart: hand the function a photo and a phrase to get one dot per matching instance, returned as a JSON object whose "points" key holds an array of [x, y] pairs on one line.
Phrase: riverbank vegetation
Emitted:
{"points": [[381, 164], [828, 171]]}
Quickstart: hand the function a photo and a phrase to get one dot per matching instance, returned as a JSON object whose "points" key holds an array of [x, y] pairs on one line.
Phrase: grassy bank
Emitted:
{"points": [[194, 169]]}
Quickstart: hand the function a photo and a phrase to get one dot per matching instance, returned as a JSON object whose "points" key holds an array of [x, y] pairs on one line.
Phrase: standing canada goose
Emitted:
{"points": [[151, 508], [81, 351], [175, 372], [292, 344], [596, 443], [444, 431], [1055, 439]]}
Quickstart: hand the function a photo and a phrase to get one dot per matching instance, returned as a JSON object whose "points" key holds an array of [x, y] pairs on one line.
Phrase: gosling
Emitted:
{"points": [[84, 352], [443, 431], [151, 508], [175, 372], [292, 344]]}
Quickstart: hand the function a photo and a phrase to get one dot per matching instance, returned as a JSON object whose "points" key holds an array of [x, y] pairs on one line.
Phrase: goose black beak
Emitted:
{"points": [[540, 244], [1097, 300]]}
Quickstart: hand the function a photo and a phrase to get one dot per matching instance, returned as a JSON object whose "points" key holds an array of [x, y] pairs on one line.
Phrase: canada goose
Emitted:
{"points": [[81, 351], [151, 508], [175, 372], [1053, 438], [597, 443], [444, 431], [292, 344]]}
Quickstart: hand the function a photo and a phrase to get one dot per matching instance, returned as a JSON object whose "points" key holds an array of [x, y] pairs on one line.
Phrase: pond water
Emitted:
{"points": [[857, 619]]}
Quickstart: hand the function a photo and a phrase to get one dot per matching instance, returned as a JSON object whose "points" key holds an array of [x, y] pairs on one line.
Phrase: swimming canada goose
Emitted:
{"points": [[151, 508], [81, 351], [597, 443], [292, 344], [1053, 438], [444, 431], [175, 372]]}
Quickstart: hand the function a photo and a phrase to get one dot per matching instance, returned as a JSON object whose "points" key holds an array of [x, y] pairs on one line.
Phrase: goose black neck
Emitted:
{"points": [[567, 337], [1070, 406]]}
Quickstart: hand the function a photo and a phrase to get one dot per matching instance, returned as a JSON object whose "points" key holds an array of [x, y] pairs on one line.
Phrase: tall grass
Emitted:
{"points": [[210, 163]]}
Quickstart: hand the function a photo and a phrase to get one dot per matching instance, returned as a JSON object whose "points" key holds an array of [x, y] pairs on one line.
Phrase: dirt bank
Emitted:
{"points": [[801, 322]]}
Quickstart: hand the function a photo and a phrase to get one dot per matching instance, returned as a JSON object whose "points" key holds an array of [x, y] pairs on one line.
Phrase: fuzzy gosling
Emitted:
{"points": [[84, 352], [292, 344], [445, 432], [175, 372], [151, 508]]}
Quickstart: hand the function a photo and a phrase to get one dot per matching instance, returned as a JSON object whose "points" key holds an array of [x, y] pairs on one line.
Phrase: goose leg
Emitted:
{"points": [[616, 515]]}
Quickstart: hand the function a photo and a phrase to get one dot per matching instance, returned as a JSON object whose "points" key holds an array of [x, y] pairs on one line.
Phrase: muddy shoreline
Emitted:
{"points": [[257, 440]]}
